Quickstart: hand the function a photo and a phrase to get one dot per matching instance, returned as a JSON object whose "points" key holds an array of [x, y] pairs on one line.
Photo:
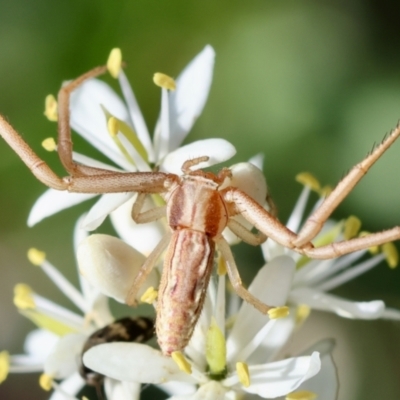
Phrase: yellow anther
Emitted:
{"points": [[149, 295], [278, 312], [23, 297], [301, 395], [221, 267], [36, 257], [215, 348], [85, 398], [51, 108], [49, 144], [46, 382], [325, 191], [114, 62], [351, 228], [306, 179], [373, 249], [392, 256], [182, 362], [302, 313], [113, 126], [243, 373], [4, 365], [164, 81]]}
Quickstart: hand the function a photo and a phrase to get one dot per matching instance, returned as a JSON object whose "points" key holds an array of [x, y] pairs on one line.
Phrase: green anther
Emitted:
{"points": [[130, 134], [352, 226], [215, 349]]}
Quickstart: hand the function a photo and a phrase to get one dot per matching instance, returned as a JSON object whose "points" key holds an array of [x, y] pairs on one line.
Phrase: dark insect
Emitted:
{"points": [[128, 329]]}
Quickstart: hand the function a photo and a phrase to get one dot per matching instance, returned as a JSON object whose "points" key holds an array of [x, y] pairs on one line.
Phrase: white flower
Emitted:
{"points": [[55, 349], [243, 365], [94, 104], [314, 278]]}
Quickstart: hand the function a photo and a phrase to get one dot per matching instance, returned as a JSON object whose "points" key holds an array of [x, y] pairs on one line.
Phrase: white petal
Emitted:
{"points": [[64, 357], [116, 390], [271, 285], [52, 201], [210, 391], [68, 388], [257, 160], [111, 266], [282, 377], [345, 308], [143, 237], [218, 150], [325, 384], [188, 100], [105, 205], [133, 362], [39, 343], [391, 313], [89, 120]]}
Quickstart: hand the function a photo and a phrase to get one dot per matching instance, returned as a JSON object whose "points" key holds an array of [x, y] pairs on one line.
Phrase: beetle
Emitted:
{"points": [[127, 329], [197, 211]]}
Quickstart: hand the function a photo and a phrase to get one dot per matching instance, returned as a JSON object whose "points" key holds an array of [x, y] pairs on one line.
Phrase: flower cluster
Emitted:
{"points": [[235, 351]]}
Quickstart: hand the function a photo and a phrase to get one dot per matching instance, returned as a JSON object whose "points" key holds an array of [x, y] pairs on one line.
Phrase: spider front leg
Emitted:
{"points": [[315, 222], [64, 143]]}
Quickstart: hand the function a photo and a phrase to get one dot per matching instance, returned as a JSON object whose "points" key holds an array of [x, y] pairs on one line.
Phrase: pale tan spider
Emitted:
{"points": [[197, 212]]}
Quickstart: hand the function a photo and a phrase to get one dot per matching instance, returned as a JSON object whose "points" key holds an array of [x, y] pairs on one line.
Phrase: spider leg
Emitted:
{"points": [[146, 269], [317, 219], [337, 249], [146, 216], [38, 167], [245, 234], [234, 277], [64, 143]]}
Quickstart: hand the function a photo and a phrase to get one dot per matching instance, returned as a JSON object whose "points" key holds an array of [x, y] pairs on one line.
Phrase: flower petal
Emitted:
{"points": [[218, 150], [188, 100], [39, 342], [68, 388], [282, 377], [102, 208], [111, 266], [89, 120], [325, 384], [210, 391], [271, 285], [125, 361], [62, 361], [52, 201], [345, 308], [143, 237], [117, 390]]}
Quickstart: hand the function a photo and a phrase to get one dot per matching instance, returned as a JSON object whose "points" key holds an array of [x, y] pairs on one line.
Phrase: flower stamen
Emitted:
{"points": [[164, 81], [373, 249], [242, 371], [46, 382], [149, 296], [392, 256], [36, 257], [351, 228], [114, 62], [49, 144], [23, 297], [302, 313], [51, 108], [307, 179], [182, 362], [4, 365], [301, 395], [278, 312]]}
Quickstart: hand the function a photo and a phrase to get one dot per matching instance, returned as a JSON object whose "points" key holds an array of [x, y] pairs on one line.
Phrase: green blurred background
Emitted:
{"points": [[313, 85]]}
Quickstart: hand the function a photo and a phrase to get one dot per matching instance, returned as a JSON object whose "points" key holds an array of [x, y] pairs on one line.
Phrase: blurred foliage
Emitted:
{"points": [[312, 85]]}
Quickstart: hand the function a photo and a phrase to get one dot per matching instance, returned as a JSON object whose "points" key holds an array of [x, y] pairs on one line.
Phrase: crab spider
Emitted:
{"points": [[197, 211]]}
